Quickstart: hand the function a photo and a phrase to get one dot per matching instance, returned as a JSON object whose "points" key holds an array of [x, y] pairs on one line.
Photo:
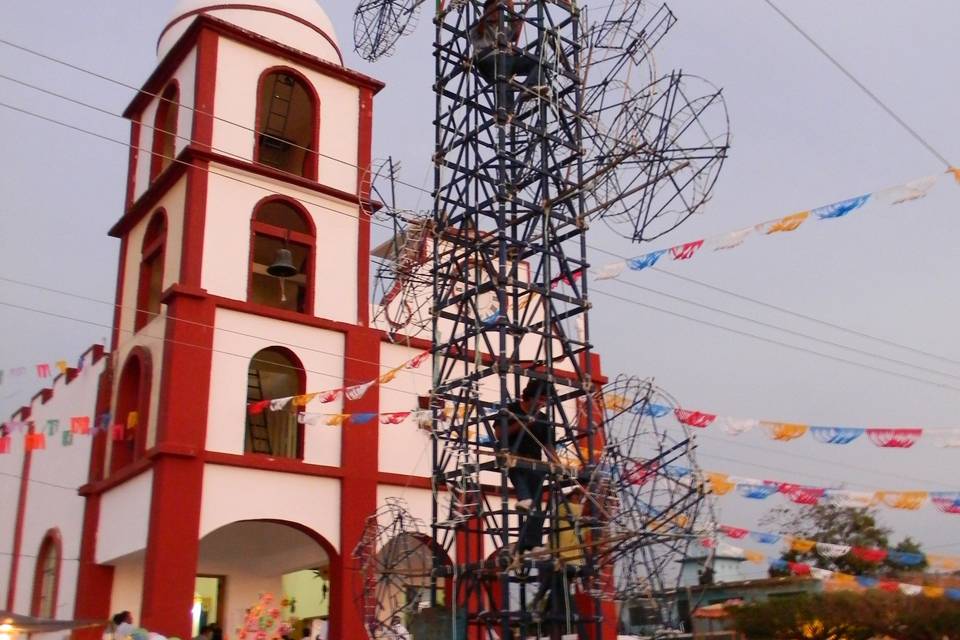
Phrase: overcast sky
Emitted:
{"points": [[803, 136]]}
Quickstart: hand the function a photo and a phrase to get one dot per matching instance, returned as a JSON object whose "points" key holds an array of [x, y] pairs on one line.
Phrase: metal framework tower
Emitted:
{"points": [[509, 228], [545, 119]]}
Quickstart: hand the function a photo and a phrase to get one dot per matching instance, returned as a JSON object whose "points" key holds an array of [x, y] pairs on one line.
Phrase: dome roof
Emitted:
{"points": [[300, 24]]}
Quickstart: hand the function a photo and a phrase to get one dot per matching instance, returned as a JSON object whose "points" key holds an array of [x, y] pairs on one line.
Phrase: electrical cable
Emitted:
{"points": [[126, 144], [916, 136], [423, 190]]}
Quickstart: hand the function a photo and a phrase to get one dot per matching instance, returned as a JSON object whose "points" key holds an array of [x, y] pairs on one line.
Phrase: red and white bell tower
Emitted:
{"points": [[243, 275]]}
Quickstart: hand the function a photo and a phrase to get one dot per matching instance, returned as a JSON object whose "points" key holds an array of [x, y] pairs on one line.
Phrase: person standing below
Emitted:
{"points": [[398, 630], [206, 632], [529, 434], [123, 625]]}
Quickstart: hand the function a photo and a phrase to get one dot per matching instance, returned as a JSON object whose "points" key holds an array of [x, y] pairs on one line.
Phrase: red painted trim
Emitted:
{"points": [[311, 158], [149, 199], [205, 88], [184, 45], [94, 581], [403, 480], [177, 479], [23, 414], [364, 151], [359, 457], [253, 7], [305, 240], [276, 174], [53, 539], [134, 154], [243, 306], [267, 463], [169, 99], [194, 225]]}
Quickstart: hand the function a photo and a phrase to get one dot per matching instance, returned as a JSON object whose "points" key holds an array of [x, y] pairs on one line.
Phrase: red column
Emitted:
{"points": [[170, 565], [23, 414], [358, 489]]}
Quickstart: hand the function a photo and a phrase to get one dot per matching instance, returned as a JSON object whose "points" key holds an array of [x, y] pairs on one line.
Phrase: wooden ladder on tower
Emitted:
{"points": [[257, 424]]}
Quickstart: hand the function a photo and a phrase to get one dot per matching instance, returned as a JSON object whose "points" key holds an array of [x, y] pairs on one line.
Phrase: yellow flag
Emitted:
{"points": [[943, 562], [304, 400], [719, 484], [756, 557], [62, 366], [390, 375], [614, 401], [787, 223], [908, 500], [956, 173], [133, 419], [933, 592], [802, 546], [338, 419], [844, 578], [784, 431]]}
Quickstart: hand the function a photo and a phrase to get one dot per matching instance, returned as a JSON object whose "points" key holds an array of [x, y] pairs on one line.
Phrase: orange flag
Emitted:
{"points": [[802, 546], [719, 483], [908, 500], [784, 431], [786, 223]]}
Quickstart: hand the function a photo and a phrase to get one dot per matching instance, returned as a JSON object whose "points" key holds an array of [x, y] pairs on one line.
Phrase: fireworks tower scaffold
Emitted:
{"points": [[545, 119]]}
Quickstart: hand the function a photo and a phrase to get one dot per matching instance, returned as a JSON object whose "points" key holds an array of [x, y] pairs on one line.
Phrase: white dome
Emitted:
{"points": [[300, 24]]}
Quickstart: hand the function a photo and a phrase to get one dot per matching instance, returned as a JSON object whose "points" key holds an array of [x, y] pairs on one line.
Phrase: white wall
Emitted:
{"points": [[233, 493], [127, 586], [238, 338], [403, 448], [124, 519], [238, 71], [186, 77], [55, 474]]}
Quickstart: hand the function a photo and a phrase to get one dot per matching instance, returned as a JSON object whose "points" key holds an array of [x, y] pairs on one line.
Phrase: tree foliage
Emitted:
{"points": [[849, 616], [839, 525]]}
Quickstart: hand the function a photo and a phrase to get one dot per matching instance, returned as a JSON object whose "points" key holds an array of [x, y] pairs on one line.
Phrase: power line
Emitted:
{"points": [[677, 314], [870, 94], [784, 310], [635, 302], [421, 189]]}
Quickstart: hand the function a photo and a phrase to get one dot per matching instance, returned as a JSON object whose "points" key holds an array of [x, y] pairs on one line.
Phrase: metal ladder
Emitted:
{"points": [[257, 424]]}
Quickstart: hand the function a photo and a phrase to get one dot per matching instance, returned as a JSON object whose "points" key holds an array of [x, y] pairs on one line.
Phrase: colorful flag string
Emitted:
{"points": [[886, 437], [353, 392], [833, 551], [912, 190], [756, 489]]}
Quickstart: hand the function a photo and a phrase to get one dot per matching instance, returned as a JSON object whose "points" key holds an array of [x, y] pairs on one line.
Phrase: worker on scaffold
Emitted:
{"points": [[495, 39], [529, 435]]}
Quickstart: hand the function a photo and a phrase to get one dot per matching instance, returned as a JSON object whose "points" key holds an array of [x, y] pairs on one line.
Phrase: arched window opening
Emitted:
{"points": [[278, 227], [165, 131], [287, 116], [274, 373], [151, 270], [128, 433], [47, 577]]}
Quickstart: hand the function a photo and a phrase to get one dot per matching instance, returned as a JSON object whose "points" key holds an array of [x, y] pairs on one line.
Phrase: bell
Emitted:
{"points": [[282, 266]]}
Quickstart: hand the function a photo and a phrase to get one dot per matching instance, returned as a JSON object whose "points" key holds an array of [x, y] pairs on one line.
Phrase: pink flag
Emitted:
{"points": [[43, 370], [419, 360], [694, 418], [328, 396], [80, 425], [898, 438], [394, 418], [685, 251], [733, 532]]}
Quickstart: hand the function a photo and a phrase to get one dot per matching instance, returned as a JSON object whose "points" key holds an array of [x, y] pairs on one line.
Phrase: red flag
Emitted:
{"points": [[889, 585], [419, 360], [869, 555], [694, 418], [256, 408], [80, 425], [5, 444], [799, 568], [733, 532], [685, 251], [898, 438], [117, 432], [394, 418], [34, 442]]}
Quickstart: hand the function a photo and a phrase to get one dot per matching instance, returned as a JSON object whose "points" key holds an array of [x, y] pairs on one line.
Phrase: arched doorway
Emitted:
{"points": [[240, 562]]}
